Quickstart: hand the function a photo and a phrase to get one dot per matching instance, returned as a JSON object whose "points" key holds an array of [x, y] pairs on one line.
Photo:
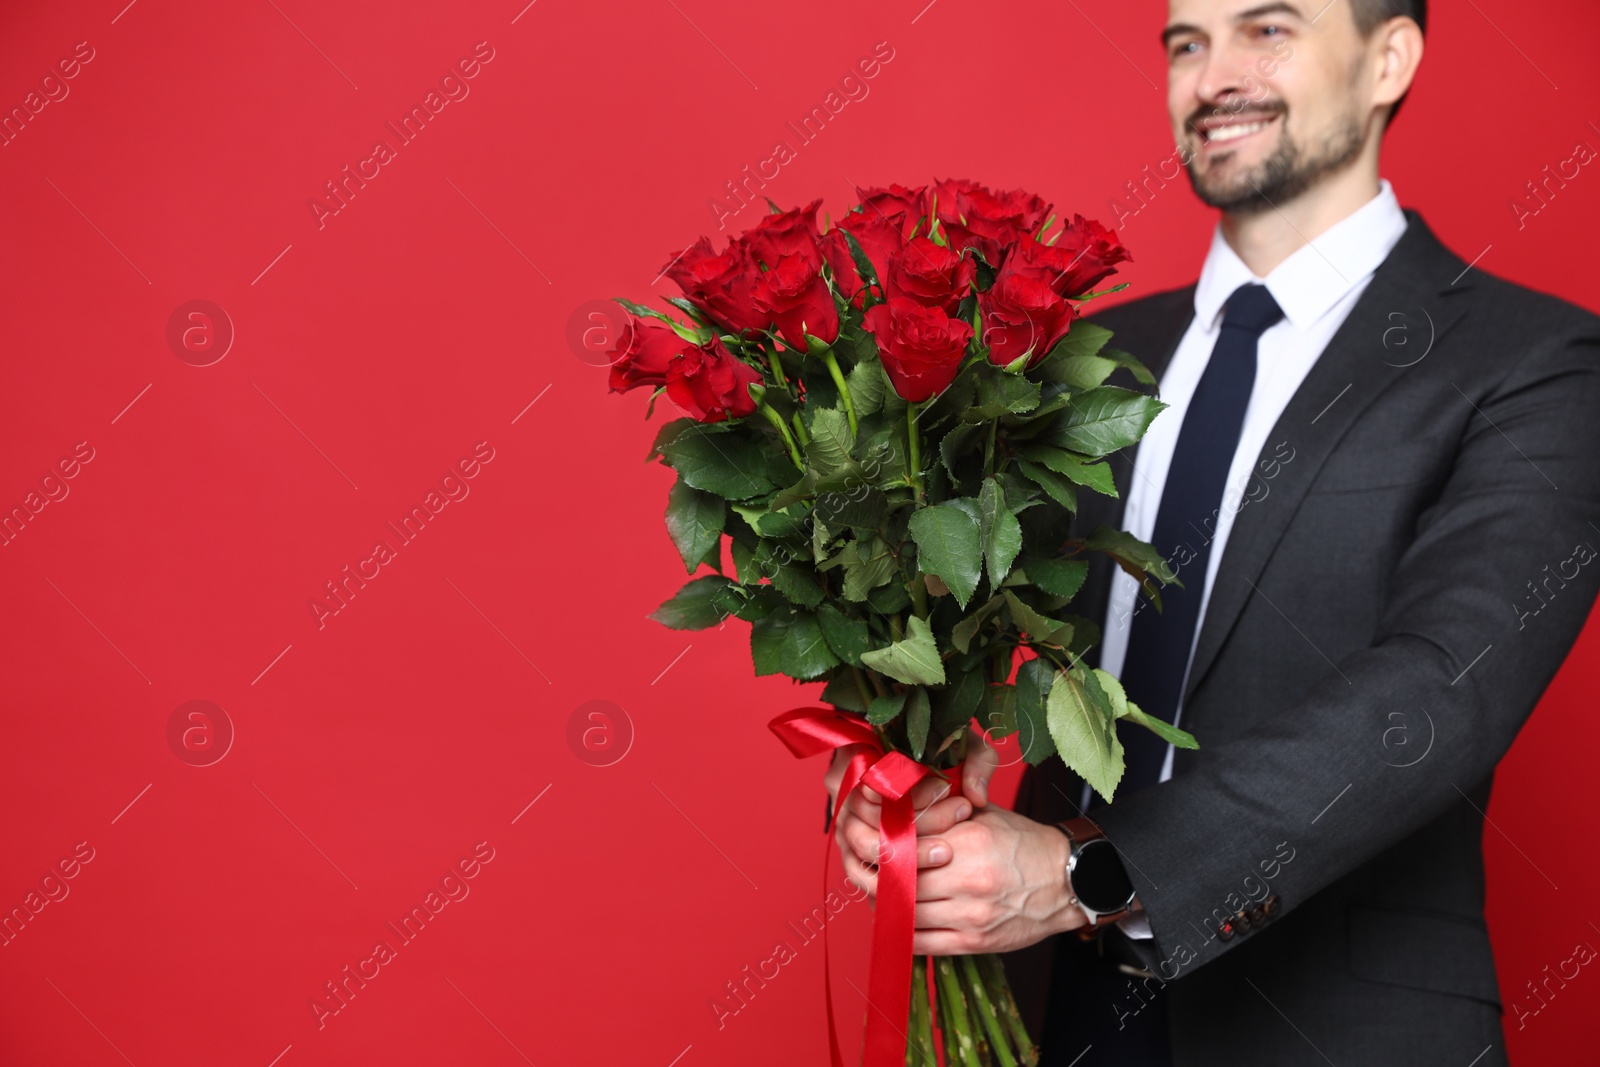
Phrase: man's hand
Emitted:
{"points": [[936, 810], [1002, 887], [1005, 888]]}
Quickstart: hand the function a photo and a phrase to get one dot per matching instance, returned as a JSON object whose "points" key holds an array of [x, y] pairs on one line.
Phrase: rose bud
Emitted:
{"points": [[1021, 313], [931, 274], [719, 284], [1093, 252], [641, 353], [789, 233], [798, 300], [973, 215], [921, 348], [710, 384]]}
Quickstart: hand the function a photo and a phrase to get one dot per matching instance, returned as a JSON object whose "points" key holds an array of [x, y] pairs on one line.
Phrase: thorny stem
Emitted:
{"points": [[844, 390], [777, 420]]}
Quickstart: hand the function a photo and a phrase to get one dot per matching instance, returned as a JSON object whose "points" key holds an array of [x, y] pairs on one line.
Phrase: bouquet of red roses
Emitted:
{"points": [[890, 420]]}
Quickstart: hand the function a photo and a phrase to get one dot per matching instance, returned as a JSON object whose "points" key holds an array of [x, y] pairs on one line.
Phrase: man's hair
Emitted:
{"points": [[1370, 14]]}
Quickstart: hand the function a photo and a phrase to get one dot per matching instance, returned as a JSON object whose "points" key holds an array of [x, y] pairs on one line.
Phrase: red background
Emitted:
{"points": [[371, 354]]}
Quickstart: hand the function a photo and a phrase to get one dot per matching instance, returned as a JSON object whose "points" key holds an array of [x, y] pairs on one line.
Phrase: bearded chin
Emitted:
{"points": [[1282, 176]]}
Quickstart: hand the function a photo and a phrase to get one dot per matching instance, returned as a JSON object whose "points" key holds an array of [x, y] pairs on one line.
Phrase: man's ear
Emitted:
{"points": [[1398, 46]]}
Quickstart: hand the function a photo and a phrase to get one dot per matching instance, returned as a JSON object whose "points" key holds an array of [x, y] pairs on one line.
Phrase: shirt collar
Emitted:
{"points": [[1316, 276]]}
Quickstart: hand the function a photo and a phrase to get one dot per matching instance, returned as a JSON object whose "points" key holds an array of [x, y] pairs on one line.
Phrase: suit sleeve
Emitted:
{"points": [[1523, 495]]}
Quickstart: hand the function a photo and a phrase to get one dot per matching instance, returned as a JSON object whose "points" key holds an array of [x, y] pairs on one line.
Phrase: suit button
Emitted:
{"points": [[1258, 914]]}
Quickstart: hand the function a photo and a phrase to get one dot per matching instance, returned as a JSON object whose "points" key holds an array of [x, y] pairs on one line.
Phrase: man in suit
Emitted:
{"points": [[1379, 482]]}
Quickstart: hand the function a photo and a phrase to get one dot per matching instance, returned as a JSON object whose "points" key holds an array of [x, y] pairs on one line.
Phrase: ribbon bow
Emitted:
{"points": [[809, 732]]}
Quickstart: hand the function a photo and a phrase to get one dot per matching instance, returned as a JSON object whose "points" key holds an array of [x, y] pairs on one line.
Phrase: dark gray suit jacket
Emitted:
{"points": [[1392, 602]]}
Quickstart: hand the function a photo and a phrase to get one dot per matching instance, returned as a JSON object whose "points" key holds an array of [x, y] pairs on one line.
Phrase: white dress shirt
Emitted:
{"points": [[1316, 286]]}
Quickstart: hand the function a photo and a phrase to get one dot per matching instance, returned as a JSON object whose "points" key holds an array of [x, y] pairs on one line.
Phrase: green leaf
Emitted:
{"points": [[1096, 476], [1079, 716], [669, 431], [729, 465], [864, 268], [1040, 630], [688, 308], [1085, 338], [859, 505], [691, 335], [841, 692], [1139, 559], [958, 444], [918, 716], [885, 708], [866, 383], [796, 582], [963, 632], [913, 660], [1034, 679], [1058, 577], [1082, 373], [1000, 531], [867, 565], [1123, 708], [1002, 394], [1162, 729], [949, 545], [1103, 420], [745, 567], [694, 522], [829, 450], [691, 608], [957, 701], [846, 636], [1058, 486], [790, 642], [1140, 372]]}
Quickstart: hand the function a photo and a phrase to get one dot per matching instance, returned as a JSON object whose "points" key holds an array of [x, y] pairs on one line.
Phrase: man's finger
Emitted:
{"points": [[979, 766], [858, 874], [942, 816]]}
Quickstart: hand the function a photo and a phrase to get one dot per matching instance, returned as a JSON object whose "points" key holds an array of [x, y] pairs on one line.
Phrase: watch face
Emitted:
{"points": [[1098, 878]]}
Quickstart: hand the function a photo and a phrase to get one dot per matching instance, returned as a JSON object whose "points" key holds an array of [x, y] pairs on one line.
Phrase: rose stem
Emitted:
{"points": [[844, 390], [919, 1046], [919, 595], [800, 429], [984, 1008], [913, 446], [956, 1018], [995, 969], [861, 686], [776, 363], [777, 420]]}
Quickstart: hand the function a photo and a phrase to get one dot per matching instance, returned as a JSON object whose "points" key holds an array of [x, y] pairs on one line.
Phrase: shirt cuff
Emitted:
{"points": [[1136, 926]]}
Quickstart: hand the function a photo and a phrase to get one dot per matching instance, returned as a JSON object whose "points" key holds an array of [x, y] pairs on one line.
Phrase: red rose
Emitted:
{"points": [[1021, 313], [642, 352], [1094, 252], [897, 200], [880, 236], [846, 279], [799, 301], [790, 233], [931, 274], [920, 347], [973, 215], [720, 285], [710, 384]]}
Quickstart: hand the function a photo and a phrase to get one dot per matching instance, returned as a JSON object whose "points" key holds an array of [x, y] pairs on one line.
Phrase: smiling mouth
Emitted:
{"points": [[1232, 133]]}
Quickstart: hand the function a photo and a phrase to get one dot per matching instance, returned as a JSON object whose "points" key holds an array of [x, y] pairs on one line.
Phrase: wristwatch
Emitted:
{"points": [[1099, 883]]}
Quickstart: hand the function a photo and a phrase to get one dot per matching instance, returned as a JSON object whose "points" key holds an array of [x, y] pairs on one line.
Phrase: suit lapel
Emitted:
{"points": [[1411, 289]]}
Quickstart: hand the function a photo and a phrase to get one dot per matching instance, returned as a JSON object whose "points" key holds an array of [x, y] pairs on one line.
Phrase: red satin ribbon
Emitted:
{"points": [[810, 732]]}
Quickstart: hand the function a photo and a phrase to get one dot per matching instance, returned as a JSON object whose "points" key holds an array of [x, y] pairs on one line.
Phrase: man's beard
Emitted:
{"points": [[1285, 174]]}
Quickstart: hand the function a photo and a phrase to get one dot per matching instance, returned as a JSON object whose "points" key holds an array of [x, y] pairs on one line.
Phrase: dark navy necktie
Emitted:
{"points": [[1191, 501]]}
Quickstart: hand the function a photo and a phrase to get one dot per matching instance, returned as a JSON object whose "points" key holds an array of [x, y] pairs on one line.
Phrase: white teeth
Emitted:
{"points": [[1230, 133]]}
